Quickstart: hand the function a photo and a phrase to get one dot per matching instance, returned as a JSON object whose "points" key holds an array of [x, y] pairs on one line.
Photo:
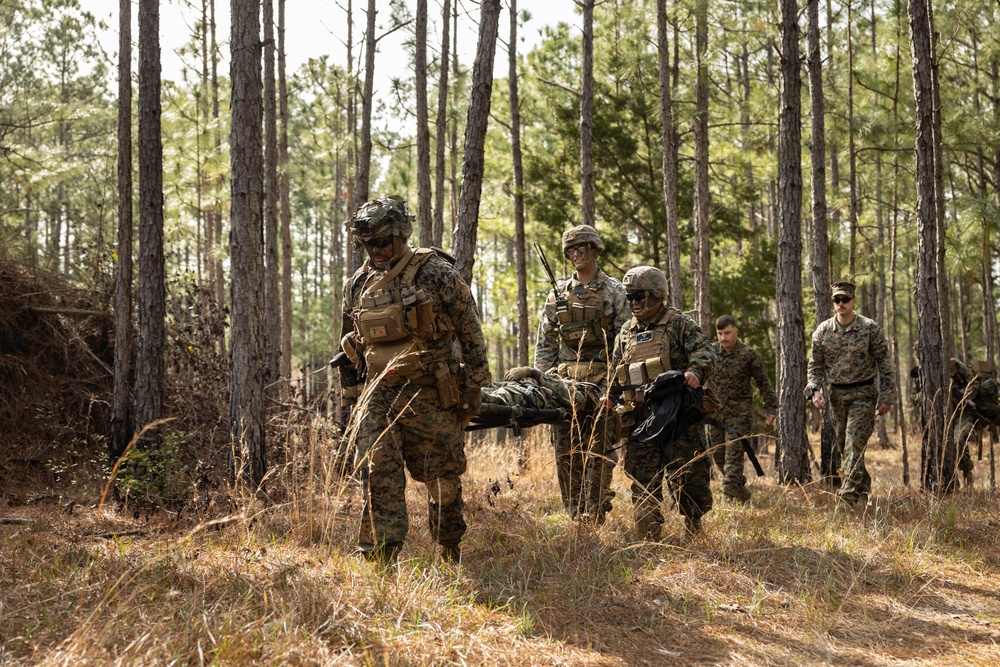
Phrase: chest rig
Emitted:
{"points": [[647, 354], [395, 321], [581, 321]]}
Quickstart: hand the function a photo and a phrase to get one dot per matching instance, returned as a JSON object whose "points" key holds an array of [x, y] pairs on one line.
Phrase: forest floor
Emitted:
{"points": [[792, 579]]}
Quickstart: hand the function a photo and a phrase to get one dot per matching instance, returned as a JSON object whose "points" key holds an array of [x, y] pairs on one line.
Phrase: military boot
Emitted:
{"points": [[451, 553], [737, 494], [384, 555]]}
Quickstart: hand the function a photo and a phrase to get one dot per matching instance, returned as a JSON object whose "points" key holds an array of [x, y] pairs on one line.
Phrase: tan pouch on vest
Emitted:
{"points": [[403, 357], [382, 324]]}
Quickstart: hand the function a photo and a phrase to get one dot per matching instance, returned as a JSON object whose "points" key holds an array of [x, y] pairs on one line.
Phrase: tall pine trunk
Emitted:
{"points": [[669, 160], [829, 454], [935, 475], [424, 212], [365, 158], [473, 165], [519, 237], [701, 256], [121, 406], [151, 299], [587, 116], [272, 304], [441, 130], [285, 367], [247, 373], [793, 462]]}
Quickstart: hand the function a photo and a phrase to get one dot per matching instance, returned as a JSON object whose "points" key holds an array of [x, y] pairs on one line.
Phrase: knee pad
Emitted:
{"points": [[443, 490]]}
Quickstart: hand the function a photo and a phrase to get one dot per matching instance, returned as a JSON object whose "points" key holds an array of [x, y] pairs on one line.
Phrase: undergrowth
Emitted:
{"points": [[791, 579]]}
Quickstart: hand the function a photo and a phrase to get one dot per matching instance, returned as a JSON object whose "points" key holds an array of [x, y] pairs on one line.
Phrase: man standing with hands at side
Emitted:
{"points": [[850, 353], [736, 365]]}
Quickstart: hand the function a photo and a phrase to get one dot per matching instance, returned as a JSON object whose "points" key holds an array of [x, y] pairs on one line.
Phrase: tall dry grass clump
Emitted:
{"points": [[791, 579]]}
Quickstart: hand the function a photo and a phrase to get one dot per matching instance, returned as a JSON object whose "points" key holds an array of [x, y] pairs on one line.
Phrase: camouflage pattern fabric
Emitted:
{"points": [[404, 428], [964, 394], [688, 471], [550, 391], [734, 370], [584, 452], [849, 355], [397, 427], [450, 297], [846, 355], [550, 349]]}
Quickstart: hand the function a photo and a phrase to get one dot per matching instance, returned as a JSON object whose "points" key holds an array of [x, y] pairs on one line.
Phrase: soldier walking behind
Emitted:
{"points": [[404, 309], [736, 364], [658, 339], [850, 353], [576, 331]]}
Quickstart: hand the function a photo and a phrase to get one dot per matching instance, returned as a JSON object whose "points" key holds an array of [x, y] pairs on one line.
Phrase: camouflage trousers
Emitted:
{"points": [[965, 427], [585, 459], [400, 429], [727, 446], [687, 473], [852, 411]]}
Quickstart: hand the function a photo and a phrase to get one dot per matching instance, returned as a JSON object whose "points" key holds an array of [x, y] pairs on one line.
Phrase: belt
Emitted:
{"points": [[852, 385]]}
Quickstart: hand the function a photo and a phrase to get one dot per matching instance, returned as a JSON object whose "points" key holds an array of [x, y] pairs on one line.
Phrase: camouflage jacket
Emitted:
{"points": [[851, 354], [550, 349], [964, 384], [690, 348], [451, 297], [734, 370]]}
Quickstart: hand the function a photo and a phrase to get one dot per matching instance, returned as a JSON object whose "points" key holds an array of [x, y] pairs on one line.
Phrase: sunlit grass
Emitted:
{"points": [[791, 579]]}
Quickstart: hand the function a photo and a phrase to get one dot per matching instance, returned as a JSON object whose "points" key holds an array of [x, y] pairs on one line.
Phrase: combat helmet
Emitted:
{"points": [[648, 278], [581, 234], [381, 217]]}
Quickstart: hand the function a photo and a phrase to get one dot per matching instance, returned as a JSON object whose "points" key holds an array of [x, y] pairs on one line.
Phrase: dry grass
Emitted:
{"points": [[793, 579]]}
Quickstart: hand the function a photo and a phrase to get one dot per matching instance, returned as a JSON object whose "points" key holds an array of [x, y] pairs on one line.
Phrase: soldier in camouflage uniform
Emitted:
{"points": [[404, 310], [736, 364], [850, 353], [654, 340], [964, 392], [576, 330]]}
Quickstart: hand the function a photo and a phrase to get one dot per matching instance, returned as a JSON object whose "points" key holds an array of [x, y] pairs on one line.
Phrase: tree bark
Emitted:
{"points": [[793, 463], [820, 265], [121, 406], [669, 160], [473, 164], [247, 373], [519, 237], [701, 256], [852, 155], [272, 304], [285, 367], [587, 116], [352, 258], [365, 158], [151, 299], [441, 131], [943, 283], [424, 212], [935, 476]]}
